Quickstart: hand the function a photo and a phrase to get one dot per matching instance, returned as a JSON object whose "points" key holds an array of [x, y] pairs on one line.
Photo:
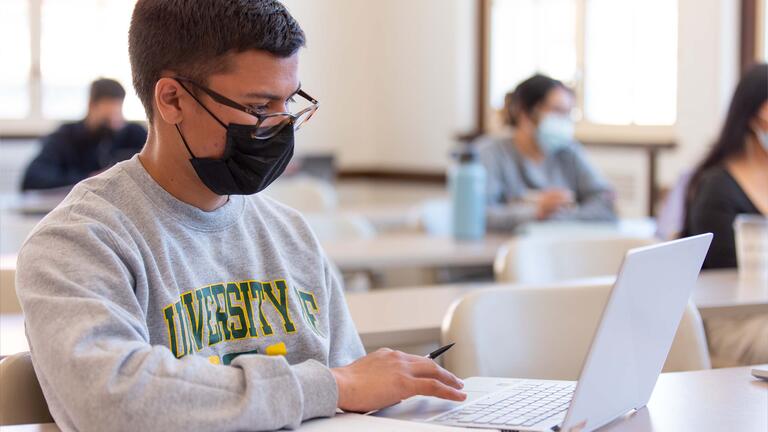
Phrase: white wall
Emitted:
{"points": [[707, 75], [395, 79], [708, 53]]}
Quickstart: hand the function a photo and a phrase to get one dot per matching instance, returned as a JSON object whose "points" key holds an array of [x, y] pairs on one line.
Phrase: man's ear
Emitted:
{"points": [[167, 100]]}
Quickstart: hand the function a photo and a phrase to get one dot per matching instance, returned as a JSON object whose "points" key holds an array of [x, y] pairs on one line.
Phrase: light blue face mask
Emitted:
{"points": [[762, 137], [554, 132]]}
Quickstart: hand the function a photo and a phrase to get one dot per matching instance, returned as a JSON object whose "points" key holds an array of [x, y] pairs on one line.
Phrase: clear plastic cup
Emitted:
{"points": [[751, 232]]}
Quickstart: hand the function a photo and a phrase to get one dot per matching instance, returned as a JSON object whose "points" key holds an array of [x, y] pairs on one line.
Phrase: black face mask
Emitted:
{"points": [[249, 165]]}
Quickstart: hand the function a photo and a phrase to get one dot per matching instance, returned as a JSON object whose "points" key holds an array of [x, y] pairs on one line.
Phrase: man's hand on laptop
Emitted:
{"points": [[386, 377]]}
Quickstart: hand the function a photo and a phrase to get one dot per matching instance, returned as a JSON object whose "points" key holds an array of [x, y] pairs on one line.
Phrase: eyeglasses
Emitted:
{"points": [[267, 125]]}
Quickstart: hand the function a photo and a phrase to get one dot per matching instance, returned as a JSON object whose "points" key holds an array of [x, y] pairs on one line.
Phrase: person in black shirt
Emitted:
{"points": [[76, 151], [733, 178]]}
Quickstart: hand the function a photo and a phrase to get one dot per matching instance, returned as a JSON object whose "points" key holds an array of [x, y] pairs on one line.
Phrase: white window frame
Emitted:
{"points": [[761, 51], [34, 124], [586, 131]]}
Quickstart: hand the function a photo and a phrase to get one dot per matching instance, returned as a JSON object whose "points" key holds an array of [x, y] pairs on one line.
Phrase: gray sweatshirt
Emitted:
{"points": [[145, 313], [511, 177]]}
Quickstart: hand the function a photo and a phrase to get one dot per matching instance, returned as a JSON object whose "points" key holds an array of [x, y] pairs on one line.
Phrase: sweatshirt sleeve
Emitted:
{"points": [[98, 370], [509, 217], [345, 346], [594, 195], [501, 214]]}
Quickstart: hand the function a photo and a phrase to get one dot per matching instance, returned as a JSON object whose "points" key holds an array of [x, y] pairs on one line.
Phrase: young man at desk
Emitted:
{"points": [[165, 293], [76, 151]]}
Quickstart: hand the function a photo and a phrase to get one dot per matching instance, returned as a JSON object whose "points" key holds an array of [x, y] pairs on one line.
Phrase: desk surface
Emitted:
{"points": [[378, 315], [703, 401], [407, 249], [723, 291], [420, 249], [412, 250], [712, 400]]}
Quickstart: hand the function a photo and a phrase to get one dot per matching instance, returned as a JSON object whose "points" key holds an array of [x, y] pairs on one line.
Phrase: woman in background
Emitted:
{"points": [[733, 178], [541, 172]]}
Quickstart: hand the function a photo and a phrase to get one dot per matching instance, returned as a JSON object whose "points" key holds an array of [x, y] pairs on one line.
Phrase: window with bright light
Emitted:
{"points": [[764, 26], [73, 56], [619, 55], [530, 36], [630, 62], [15, 52], [79, 41]]}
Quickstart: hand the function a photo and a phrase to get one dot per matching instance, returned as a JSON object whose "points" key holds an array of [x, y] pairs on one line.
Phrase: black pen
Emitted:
{"points": [[438, 352]]}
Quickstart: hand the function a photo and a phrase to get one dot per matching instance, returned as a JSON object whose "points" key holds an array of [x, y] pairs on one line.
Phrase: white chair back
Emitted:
{"points": [[433, 217], [545, 259], [340, 226], [304, 193], [333, 227], [9, 303], [544, 332]]}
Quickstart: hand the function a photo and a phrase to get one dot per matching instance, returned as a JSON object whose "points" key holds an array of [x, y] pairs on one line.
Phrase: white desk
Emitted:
{"points": [[13, 339], [412, 250], [386, 217], [413, 316], [390, 250], [704, 401], [387, 251], [722, 292], [14, 229], [19, 213]]}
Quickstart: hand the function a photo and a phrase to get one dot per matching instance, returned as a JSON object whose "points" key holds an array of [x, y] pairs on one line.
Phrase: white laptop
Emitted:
{"points": [[625, 359]]}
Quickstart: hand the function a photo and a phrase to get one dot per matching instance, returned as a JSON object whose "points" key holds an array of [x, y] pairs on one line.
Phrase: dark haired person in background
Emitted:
{"points": [[541, 172], [175, 296], [733, 180], [733, 177], [76, 151]]}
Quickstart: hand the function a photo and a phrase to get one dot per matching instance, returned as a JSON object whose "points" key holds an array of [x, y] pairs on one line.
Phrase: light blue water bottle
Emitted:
{"points": [[466, 183]]}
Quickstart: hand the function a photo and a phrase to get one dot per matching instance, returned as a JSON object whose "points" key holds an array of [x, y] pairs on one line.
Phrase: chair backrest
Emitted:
{"points": [[672, 213], [544, 332], [340, 226], [21, 399], [546, 259], [433, 216], [304, 193], [9, 303]]}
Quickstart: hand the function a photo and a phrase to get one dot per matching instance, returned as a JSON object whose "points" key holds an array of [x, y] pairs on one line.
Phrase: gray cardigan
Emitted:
{"points": [[511, 177]]}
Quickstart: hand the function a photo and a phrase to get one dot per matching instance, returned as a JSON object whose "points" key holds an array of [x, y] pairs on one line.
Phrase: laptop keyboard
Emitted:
{"points": [[524, 405]]}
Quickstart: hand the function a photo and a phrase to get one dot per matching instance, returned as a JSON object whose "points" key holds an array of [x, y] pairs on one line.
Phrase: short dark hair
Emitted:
{"points": [[193, 38], [528, 95], [105, 88]]}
